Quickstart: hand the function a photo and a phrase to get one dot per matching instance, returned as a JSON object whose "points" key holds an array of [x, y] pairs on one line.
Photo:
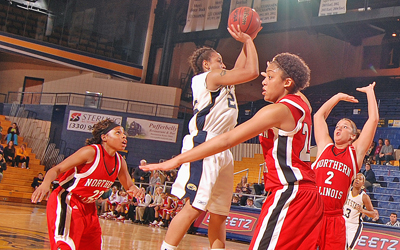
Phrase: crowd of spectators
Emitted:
{"points": [[155, 208]]}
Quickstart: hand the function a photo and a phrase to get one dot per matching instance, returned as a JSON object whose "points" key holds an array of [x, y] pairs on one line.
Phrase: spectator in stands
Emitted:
{"points": [[3, 166], [250, 203], [141, 176], [243, 188], [143, 202], [22, 156], [154, 180], [131, 216], [369, 155], [1, 149], [37, 181], [378, 150], [386, 153], [122, 205], [101, 203], [111, 203], [235, 200], [393, 221], [150, 211], [9, 153], [376, 218], [369, 177], [1, 135], [13, 133]]}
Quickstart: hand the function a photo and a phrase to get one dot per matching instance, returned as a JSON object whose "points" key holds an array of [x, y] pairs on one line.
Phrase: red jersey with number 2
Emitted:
{"points": [[88, 182], [335, 169], [287, 155]]}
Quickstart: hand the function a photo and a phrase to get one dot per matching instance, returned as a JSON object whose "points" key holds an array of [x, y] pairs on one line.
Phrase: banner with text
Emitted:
{"points": [[151, 130], [266, 9], [332, 7], [203, 15], [84, 121]]}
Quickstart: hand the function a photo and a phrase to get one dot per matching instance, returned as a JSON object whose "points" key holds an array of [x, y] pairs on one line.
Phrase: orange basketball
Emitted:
{"points": [[247, 18]]}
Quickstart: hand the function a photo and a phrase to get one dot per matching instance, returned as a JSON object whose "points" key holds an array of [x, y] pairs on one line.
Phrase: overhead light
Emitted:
{"points": [[394, 34]]}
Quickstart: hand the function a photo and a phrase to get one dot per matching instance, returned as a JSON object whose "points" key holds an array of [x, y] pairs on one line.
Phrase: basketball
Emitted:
{"points": [[247, 18]]}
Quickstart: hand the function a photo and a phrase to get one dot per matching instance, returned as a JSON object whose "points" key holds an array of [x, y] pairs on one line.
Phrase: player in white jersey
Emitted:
{"points": [[208, 182], [354, 208]]}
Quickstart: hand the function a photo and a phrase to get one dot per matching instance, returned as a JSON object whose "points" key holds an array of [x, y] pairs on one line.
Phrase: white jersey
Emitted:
{"points": [[214, 111], [351, 214]]}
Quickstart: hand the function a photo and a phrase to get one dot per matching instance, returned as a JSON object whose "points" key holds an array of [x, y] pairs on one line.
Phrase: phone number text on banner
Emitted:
{"points": [[84, 121]]}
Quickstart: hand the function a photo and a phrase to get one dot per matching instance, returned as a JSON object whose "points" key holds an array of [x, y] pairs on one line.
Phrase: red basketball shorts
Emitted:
{"points": [[290, 219], [72, 224], [333, 233]]}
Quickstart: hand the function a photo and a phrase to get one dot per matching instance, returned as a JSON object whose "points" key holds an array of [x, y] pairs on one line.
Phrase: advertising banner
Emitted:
{"points": [[151, 130], [84, 121]]}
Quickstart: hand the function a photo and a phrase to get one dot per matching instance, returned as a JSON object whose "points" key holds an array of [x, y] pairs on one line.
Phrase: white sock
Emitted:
{"points": [[166, 246]]}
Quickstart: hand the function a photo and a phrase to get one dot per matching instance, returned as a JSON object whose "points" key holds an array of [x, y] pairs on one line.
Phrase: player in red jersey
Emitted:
{"points": [[338, 162], [291, 214], [71, 212]]}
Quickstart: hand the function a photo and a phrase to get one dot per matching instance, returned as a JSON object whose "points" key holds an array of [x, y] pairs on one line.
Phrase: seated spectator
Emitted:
{"points": [[22, 155], [161, 212], [143, 202], [131, 216], [13, 133], [111, 204], [259, 188], [369, 155], [369, 177], [101, 203], [243, 188], [235, 200], [378, 150], [250, 203], [154, 180], [150, 211], [376, 218], [1, 135], [122, 205], [168, 213], [3, 166], [37, 181], [9, 153], [386, 153], [179, 206], [393, 221], [1, 149]]}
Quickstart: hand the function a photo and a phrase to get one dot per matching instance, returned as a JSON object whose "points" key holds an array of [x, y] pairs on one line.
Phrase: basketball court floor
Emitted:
{"points": [[23, 226]]}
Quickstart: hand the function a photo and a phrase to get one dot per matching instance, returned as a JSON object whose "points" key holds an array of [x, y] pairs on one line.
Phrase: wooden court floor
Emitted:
{"points": [[23, 226]]}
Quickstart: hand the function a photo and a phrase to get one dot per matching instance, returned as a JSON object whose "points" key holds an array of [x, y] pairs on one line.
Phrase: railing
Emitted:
{"points": [[99, 102], [244, 170]]}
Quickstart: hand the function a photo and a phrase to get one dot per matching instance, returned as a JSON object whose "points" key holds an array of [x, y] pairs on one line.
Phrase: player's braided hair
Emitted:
{"points": [[197, 58], [97, 129], [295, 68]]}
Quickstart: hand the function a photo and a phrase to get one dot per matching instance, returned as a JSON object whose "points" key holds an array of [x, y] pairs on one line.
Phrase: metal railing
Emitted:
{"points": [[99, 102], [244, 170]]}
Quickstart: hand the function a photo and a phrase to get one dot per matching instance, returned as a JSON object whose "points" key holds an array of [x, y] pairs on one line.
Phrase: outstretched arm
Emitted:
{"points": [[83, 155], [126, 181], [321, 132], [274, 115], [363, 142]]}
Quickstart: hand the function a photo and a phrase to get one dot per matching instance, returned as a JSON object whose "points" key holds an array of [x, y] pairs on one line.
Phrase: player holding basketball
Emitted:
{"points": [[71, 212], [291, 214], [353, 210], [338, 163], [215, 111]]}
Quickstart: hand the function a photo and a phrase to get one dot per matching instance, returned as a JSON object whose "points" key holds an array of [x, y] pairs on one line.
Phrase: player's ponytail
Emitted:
{"points": [[197, 58]]}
